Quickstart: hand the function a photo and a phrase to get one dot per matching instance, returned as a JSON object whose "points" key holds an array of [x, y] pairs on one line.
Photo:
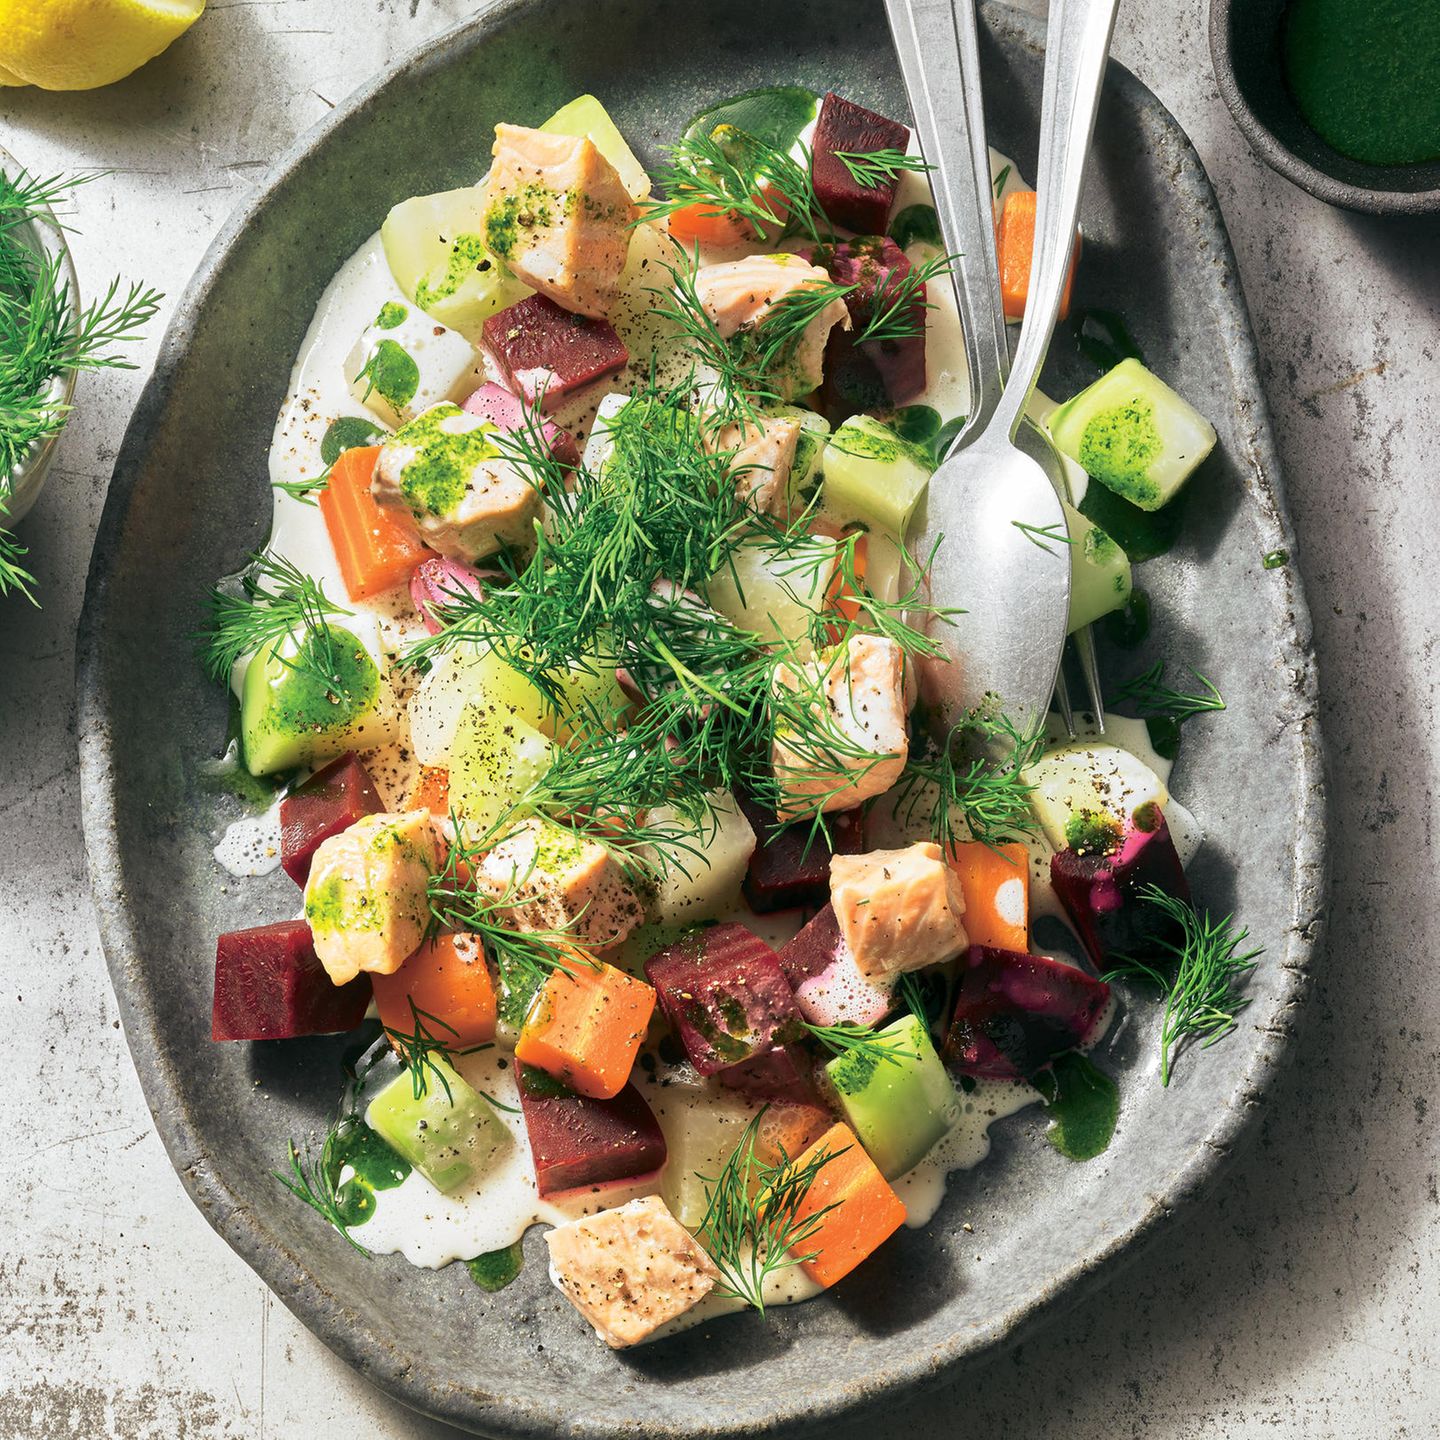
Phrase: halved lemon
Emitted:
{"points": [[82, 44]]}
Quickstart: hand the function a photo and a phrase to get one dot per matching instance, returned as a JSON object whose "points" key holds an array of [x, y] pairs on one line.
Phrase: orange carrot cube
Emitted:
{"points": [[585, 1026], [449, 982], [996, 886], [432, 792], [376, 549], [866, 1211], [1015, 239]]}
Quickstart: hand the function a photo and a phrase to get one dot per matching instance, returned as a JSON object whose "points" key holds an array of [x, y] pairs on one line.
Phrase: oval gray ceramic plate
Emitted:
{"points": [[190, 497]]}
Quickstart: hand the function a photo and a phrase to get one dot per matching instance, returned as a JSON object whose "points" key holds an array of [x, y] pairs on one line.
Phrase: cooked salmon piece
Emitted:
{"points": [[555, 880], [898, 909], [445, 470], [860, 744], [762, 458], [558, 214], [739, 295], [365, 898], [629, 1270]]}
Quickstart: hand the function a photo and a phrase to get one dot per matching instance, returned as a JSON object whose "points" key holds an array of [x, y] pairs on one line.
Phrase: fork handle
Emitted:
{"points": [[939, 54], [1075, 52]]}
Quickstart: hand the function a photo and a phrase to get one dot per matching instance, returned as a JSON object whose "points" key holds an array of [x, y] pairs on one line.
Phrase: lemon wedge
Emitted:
{"points": [[82, 44]]}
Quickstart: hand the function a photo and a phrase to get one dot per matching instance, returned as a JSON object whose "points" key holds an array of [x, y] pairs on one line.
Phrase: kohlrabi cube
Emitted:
{"points": [[400, 366], [600, 443], [776, 591], [703, 1124], [434, 247], [1084, 785], [585, 115], [1100, 579], [901, 1105], [311, 697], [873, 477], [701, 874], [495, 759], [809, 463], [468, 675], [1134, 434], [448, 1133]]}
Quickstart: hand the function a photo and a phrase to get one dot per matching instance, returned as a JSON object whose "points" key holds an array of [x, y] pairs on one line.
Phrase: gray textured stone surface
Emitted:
{"points": [[1300, 1299]]}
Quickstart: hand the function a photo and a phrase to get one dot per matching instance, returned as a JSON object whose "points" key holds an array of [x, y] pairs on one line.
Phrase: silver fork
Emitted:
{"points": [[937, 45]]}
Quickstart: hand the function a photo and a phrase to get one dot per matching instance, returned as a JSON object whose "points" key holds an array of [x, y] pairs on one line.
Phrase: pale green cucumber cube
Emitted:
{"points": [[1134, 434], [585, 115], [776, 591], [873, 477], [1086, 783], [435, 250], [809, 462], [899, 1107], [449, 1134], [495, 760], [1100, 579], [290, 716]]}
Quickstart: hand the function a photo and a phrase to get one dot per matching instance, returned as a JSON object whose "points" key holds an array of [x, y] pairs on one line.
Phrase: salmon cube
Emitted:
{"points": [[581, 1143], [859, 742], [445, 472], [330, 801], [851, 129], [1016, 1013], [559, 216], [725, 994], [270, 985], [829, 987], [546, 354], [630, 1270], [366, 899], [761, 458], [898, 909], [554, 880], [738, 295]]}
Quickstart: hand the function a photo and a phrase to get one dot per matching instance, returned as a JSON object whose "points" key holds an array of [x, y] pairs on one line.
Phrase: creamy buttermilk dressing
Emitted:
{"points": [[413, 1218]]}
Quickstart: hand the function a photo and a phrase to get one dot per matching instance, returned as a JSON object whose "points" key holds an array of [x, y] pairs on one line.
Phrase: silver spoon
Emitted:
{"points": [[1007, 561]]}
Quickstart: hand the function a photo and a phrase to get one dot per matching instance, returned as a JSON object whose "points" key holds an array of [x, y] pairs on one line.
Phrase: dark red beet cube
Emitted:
{"points": [[546, 354], [509, 413], [1101, 893], [330, 801], [1016, 1013], [579, 1143], [784, 1075], [879, 373], [723, 991], [270, 985], [791, 864], [814, 950], [851, 129]]}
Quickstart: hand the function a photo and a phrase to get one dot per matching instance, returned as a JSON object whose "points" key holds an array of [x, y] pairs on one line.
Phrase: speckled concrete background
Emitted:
{"points": [[1302, 1300]]}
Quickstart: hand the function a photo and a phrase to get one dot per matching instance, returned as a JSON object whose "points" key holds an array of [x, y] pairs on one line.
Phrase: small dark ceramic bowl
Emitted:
{"points": [[1245, 46]]}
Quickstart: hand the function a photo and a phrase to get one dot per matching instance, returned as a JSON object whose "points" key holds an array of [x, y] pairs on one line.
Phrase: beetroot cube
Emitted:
{"points": [[846, 127], [790, 865], [546, 353], [270, 985], [1016, 1013], [330, 801], [580, 1143], [724, 993], [509, 413], [784, 1075], [829, 988], [1101, 893], [814, 950], [883, 372]]}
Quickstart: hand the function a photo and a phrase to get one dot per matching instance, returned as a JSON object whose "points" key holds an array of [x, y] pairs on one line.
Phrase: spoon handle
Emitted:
{"points": [[939, 54], [1075, 53]]}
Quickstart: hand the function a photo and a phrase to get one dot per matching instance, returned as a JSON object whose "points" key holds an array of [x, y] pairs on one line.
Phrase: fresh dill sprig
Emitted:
{"points": [[1155, 700], [898, 309], [277, 600], [1001, 178], [1044, 535], [873, 168], [315, 1185], [860, 1041], [753, 1226], [13, 575], [1202, 1002], [418, 1048], [912, 992], [303, 490], [973, 786], [731, 172]]}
